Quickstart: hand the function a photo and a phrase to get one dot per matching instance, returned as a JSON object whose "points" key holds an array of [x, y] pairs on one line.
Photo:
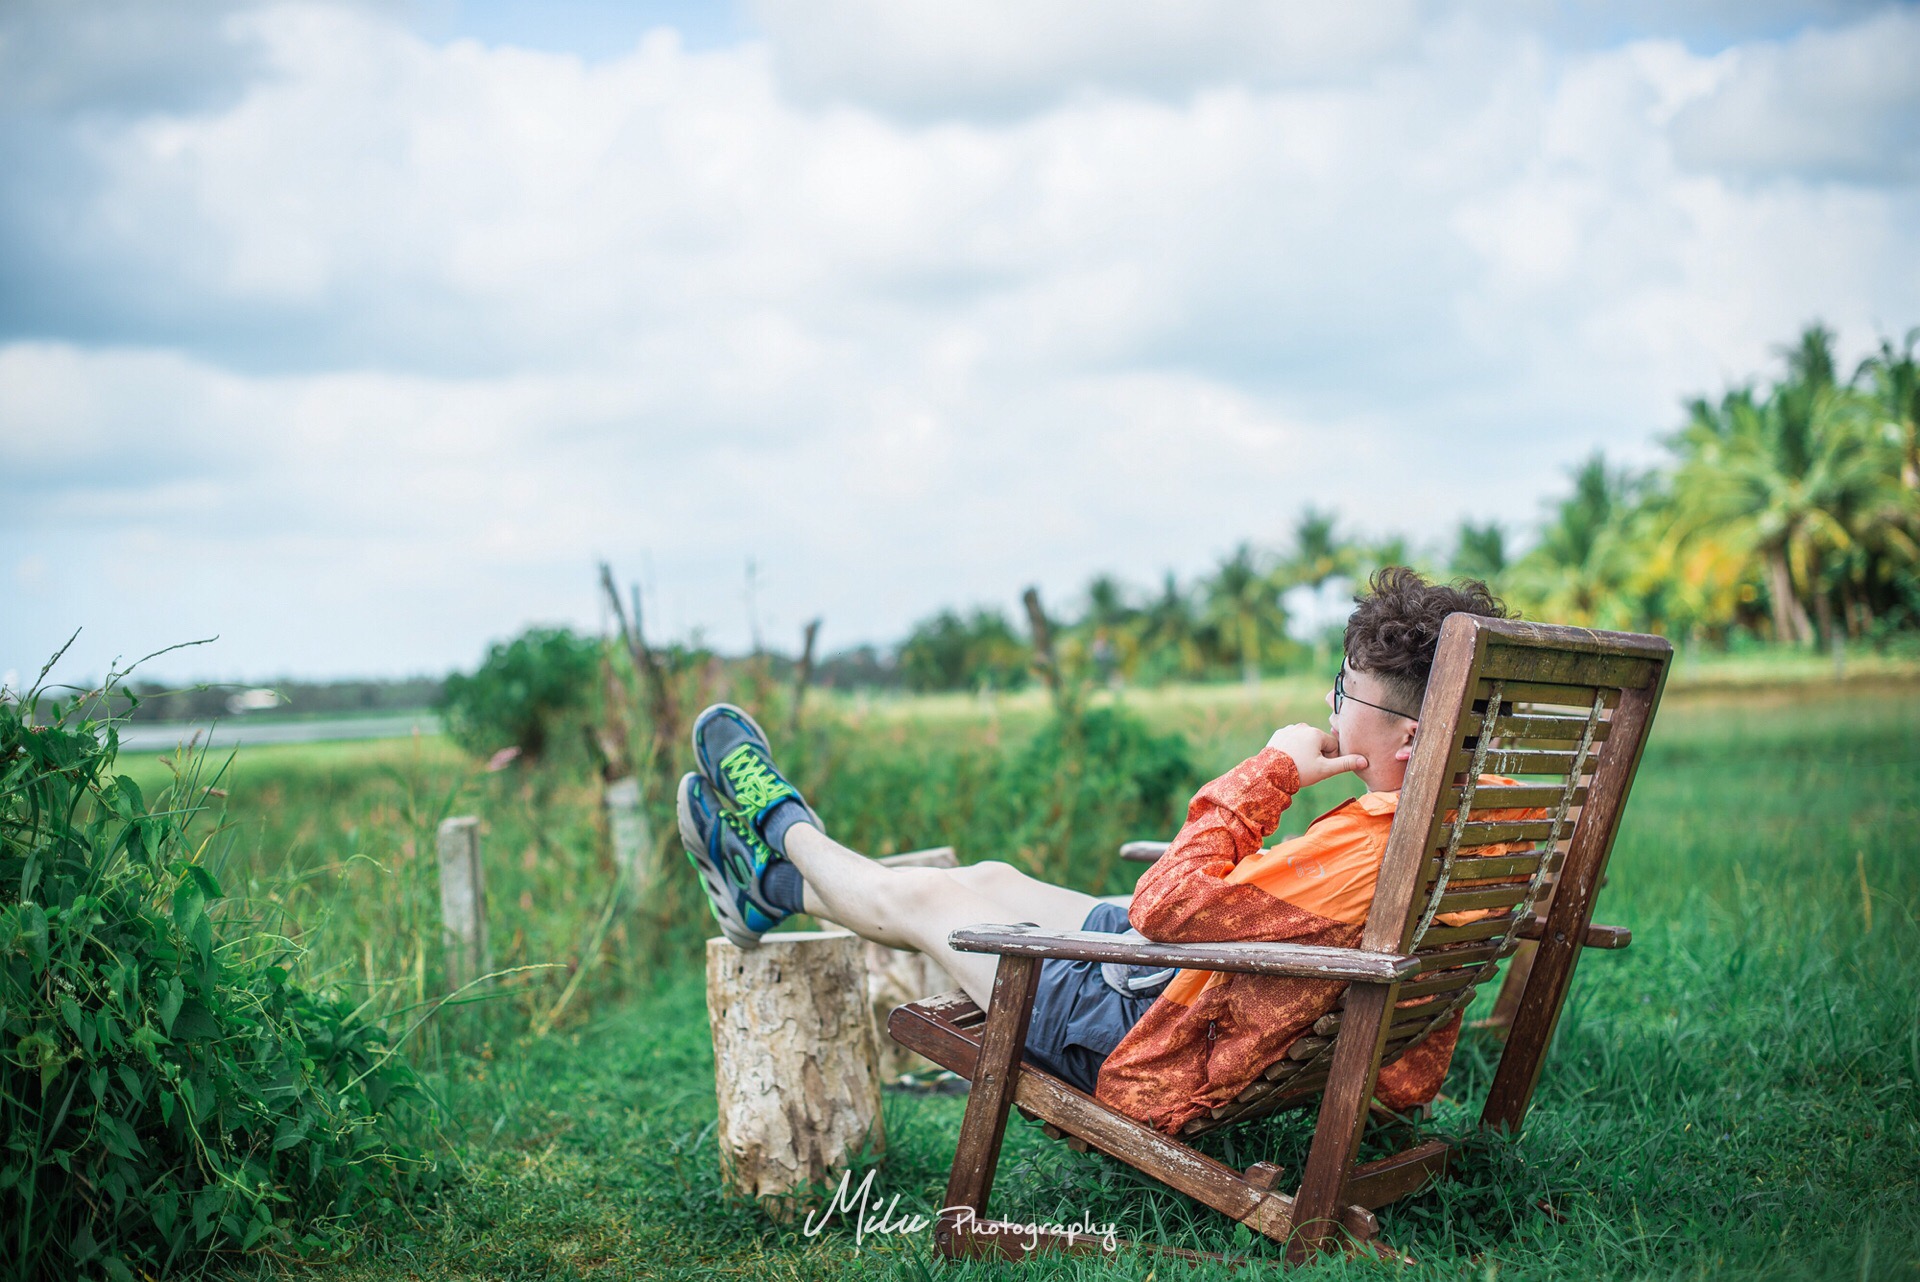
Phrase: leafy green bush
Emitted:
{"points": [[524, 695], [169, 1095], [948, 652], [1091, 780]]}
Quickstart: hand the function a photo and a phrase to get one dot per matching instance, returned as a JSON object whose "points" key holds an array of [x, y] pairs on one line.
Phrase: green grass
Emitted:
{"points": [[1738, 1094], [341, 836]]}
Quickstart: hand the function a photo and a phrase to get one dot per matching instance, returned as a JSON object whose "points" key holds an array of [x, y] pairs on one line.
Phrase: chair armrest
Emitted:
{"points": [[1598, 936], [1298, 961]]}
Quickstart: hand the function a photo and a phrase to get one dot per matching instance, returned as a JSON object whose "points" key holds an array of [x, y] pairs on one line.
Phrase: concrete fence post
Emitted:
{"points": [[463, 901], [629, 834]]}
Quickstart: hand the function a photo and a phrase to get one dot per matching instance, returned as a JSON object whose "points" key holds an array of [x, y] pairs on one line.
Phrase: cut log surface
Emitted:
{"points": [[793, 1059]]}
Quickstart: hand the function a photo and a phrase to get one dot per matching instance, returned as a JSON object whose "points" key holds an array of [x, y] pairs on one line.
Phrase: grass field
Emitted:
{"points": [[1736, 1095]]}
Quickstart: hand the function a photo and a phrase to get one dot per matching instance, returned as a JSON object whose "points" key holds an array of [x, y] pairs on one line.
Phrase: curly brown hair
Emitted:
{"points": [[1396, 628]]}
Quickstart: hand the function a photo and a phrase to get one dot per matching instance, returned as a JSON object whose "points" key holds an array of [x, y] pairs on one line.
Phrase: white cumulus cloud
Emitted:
{"points": [[1827, 104], [366, 360]]}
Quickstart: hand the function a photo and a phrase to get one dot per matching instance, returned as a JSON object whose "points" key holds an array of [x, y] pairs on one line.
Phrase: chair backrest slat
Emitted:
{"points": [[1546, 699]]}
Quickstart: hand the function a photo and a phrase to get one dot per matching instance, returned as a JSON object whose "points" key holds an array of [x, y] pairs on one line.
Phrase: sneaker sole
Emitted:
{"points": [[712, 880]]}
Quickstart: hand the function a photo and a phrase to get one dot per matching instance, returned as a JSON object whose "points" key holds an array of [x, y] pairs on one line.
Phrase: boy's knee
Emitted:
{"points": [[915, 888], [987, 876]]}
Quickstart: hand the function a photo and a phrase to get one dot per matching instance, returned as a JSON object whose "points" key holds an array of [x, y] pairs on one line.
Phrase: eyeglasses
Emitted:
{"points": [[1340, 696]]}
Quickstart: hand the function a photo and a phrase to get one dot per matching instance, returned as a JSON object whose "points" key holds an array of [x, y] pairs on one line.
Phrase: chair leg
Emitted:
{"points": [[985, 1123], [1535, 1014], [1343, 1115], [1568, 915]]}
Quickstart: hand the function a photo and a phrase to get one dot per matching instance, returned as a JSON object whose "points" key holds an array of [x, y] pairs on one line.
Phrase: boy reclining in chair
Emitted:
{"points": [[1160, 1046]]}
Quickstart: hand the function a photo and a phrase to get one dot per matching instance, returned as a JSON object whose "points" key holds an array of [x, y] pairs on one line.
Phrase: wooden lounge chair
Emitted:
{"points": [[1564, 710]]}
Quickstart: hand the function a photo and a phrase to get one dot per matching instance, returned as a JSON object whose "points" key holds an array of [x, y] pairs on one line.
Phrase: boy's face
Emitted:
{"points": [[1369, 722]]}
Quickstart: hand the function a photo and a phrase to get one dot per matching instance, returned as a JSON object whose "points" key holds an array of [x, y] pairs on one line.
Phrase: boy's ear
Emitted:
{"points": [[1405, 751]]}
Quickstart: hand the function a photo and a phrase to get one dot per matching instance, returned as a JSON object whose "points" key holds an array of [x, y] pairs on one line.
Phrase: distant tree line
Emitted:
{"points": [[1786, 514]]}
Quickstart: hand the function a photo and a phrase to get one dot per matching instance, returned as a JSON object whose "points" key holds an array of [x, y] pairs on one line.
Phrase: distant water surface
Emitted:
{"points": [[233, 732]]}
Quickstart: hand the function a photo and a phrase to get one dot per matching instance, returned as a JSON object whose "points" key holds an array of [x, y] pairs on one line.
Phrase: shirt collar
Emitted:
{"points": [[1378, 803], [1369, 803]]}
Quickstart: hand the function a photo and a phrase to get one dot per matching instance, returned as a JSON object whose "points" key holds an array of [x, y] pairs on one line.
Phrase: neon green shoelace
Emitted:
{"points": [[754, 784], [758, 850]]}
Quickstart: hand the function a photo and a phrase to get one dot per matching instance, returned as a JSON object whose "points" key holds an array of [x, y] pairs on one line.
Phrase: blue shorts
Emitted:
{"points": [[1078, 1018]]}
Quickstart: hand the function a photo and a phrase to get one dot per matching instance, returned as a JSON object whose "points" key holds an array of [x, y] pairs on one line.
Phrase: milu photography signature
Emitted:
{"points": [[869, 1216]]}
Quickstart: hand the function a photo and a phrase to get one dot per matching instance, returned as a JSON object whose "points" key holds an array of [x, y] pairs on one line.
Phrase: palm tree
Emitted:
{"points": [[1168, 628], [1375, 554], [1889, 540], [1318, 551], [1583, 569], [1894, 377], [1480, 551], [1319, 555], [1107, 603], [1108, 627], [1790, 478], [1244, 603]]}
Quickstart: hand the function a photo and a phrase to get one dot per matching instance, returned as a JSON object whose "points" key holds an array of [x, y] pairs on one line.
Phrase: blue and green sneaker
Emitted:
{"points": [[734, 755], [730, 858]]}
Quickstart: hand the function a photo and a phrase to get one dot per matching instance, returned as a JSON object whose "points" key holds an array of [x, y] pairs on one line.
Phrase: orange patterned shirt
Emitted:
{"points": [[1211, 1034]]}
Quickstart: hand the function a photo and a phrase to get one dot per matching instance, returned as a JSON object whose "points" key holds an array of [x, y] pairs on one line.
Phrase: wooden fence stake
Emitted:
{"points": [[802, 677], [463, 901]]}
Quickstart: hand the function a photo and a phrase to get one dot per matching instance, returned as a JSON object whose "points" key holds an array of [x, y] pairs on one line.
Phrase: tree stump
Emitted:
{"points": [[793, 1060], [896, 976]]}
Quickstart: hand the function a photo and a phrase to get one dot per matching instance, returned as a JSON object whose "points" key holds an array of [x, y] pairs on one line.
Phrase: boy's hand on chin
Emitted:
{"points": [[1312, 750]]}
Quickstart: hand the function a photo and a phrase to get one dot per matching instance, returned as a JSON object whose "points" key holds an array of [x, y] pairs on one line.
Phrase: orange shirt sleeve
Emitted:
{"points": [[1187, 896]]}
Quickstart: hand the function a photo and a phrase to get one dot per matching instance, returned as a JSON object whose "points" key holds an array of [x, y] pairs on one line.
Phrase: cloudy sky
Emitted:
{"points": [[355, 333]]}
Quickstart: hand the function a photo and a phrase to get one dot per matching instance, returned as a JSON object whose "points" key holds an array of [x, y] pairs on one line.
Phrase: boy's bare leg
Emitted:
{"points": [[919, 907]]}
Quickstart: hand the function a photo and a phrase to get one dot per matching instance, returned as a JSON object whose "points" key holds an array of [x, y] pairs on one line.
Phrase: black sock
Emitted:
{"points": [[782, 886]]}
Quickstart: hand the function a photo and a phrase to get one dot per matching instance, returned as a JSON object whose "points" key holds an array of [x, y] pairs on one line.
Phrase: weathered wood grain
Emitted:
{"points": [[1571, 909], [463, 901], [995, 1072], [793, 1059], [1298, 961]]}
